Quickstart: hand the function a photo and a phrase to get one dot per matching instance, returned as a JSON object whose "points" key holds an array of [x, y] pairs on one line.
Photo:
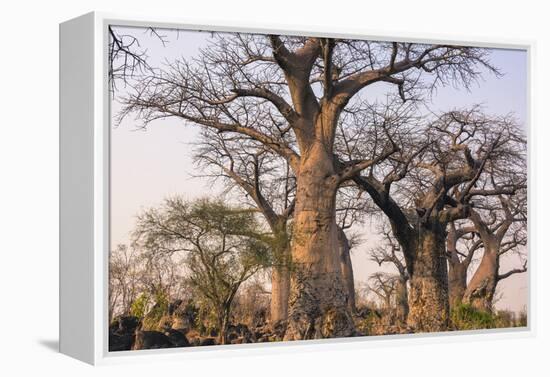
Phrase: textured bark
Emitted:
{"points": [[402, 300], [458, 269], [481, 289], [347, 268], [318, 300], [223, 323], [280, 292], [428, 296], [457, 283], [280, 273]]}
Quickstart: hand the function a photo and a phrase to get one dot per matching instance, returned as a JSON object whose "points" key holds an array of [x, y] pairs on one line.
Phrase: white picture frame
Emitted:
{"points": [[84, 192]]}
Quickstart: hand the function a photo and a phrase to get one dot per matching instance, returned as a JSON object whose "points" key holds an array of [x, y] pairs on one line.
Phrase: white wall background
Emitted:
{"points": [[29, 184]]}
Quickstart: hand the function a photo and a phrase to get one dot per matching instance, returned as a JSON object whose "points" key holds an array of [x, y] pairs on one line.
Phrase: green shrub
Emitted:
{"points": [[139, 306], [152, 319], [466, 317]]}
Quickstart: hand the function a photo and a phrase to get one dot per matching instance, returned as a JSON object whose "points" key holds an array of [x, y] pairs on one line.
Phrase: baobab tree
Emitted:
{"points": [[350, 210], [462, 244], [451, 153], [390, 253], [384, 286], [252, 84], [502, 230], [127, 58], [497, 241], [498, 207]]}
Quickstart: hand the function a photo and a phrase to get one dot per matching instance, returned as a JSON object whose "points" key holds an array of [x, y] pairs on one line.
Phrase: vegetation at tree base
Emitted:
{"points": [[306, 158], [467, 317]]}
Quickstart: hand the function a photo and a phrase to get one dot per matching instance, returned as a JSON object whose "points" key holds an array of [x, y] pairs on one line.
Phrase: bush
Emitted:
{"points": [[152, 320], [466, 317], [139, 306], [367, 320], [522, 319]]}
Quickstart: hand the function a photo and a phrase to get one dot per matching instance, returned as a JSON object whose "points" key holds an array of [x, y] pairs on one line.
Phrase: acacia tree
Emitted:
{"points": [[161, 276], [269, 186], [223, 247], [451, 153], [241, 83]]}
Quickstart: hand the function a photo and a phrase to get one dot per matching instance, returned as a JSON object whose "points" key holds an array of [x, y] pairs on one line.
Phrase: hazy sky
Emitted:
{"points": [[147, 166]]}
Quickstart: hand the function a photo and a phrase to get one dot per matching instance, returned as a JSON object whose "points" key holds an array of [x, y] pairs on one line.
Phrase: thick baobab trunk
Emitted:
{"points": [[428, 295], [318, 298], [347, 268], [457, 282], [401, 301], [481, 289], [457, 270]]}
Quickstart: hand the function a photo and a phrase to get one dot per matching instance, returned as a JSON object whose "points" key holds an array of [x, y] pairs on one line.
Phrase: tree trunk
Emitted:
{"points": [[318, 298], [280, 291], [457, 282], [223, 323], [401, 300], [280, 273], [347, 268], [481, 289], [428, 296]]}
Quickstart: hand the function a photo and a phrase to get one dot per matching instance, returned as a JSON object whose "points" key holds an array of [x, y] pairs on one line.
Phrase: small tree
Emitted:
{"points": [[124, 280], [223, 247], [389, 252]]}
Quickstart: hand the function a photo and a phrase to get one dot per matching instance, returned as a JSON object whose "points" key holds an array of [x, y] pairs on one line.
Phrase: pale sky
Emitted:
{"points": [[148, 166]]}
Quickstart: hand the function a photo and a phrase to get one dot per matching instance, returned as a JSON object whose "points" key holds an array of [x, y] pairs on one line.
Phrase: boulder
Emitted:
{"points": [[122, 333], [207, 342], [177, 338], [146, 340]]}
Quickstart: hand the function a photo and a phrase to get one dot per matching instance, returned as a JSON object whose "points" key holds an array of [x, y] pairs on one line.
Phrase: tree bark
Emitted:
{"points": [[347, 268], [481, 289], [401, 300], [457, 282], [318, 306], [280, 292], [428, 296], [223, 323], [280, 272], [458, 270]]}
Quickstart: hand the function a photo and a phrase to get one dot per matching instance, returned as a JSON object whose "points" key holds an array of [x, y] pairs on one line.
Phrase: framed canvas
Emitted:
{"points": [[236, 188]]}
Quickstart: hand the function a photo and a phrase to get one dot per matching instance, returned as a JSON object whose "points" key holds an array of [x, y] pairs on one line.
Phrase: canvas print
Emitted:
{"points": [[269, 188]]}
